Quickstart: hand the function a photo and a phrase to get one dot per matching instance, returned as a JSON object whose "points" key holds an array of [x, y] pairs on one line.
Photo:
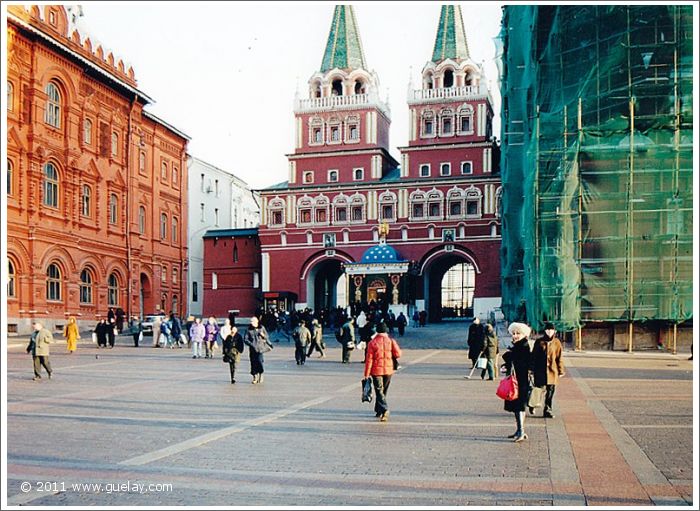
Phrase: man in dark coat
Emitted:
{"points": [[401, 323], [232, 347], [547, 365], [475, 340], [347, 340]]}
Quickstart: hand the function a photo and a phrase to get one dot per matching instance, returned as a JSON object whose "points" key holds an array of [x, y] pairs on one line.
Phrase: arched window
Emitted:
{"points": [[321, 206], [174, 302], [10, 279], [387, 207], [50, 186], [337, 87], [10, 190], [334, 128], [316, 131], [316, 90], [85, 286], [448, 78], [357, 208], [87, 201], [10, 96], [163, 226], [142, 220], [359, 87], [173, 236], [113, 208], [428, 123], [164, 170], [417, 200], [52, 114], [276, 213], [304, 210], [446, 122], [473, 203], [115, 144], [87, 132], [435, 204], [465, 122], [112, 290], [455, 203], [428, 81], [53, 282], [340, 209], [175, 272], [142, 162], [352, 128]]}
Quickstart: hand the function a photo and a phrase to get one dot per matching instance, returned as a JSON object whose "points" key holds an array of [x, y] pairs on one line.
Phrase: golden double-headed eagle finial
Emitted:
{"points": [[383, 230]]}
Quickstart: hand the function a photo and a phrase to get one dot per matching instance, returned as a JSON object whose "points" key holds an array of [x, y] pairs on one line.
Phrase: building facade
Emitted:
{"points": [[434, 212], [218, 200], [231, 273], [96, 185]]}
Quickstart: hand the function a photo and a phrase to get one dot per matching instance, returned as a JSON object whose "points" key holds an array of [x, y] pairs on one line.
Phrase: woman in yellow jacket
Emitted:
{"points": [[70, 332]]}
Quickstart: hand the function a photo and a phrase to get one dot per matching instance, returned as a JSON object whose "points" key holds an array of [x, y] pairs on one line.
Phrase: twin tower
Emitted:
{"points": [[343, 109]]}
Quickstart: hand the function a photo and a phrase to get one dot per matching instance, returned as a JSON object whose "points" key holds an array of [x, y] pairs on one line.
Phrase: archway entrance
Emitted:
{"points": [[449, 288], [325, 286], [376, 290], [144, 296]]}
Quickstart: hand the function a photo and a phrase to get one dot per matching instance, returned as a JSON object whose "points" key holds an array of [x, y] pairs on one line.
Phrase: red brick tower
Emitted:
{"points": [[320, 231]]}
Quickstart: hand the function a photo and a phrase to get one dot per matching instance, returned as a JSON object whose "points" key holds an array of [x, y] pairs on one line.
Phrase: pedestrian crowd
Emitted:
{"points": [[532, 368]]}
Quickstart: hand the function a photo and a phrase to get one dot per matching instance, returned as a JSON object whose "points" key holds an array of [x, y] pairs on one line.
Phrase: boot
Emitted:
{"points": [[255, 379], [260, 378], [520, 434]]}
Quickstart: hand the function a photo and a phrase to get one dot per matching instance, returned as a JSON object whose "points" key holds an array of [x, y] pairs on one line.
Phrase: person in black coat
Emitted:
{"points": [[232, 348], [102, 329], [518, 358], [475, 340]]}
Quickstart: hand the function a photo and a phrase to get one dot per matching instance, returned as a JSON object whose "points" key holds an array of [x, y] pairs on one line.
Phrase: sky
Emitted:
{"points": [[226, 73]]}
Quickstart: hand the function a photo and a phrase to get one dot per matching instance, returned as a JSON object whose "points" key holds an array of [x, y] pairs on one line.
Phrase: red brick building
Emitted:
{"points": [[441, 203], [231, 272], [96, 186]]}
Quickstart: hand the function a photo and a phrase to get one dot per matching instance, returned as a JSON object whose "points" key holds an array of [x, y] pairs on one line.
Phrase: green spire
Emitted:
{"points": [[450, 41], [344, 48]]}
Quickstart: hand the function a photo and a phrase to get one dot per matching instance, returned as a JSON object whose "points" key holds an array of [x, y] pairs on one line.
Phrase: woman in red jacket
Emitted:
{"points": [[379, 364]]}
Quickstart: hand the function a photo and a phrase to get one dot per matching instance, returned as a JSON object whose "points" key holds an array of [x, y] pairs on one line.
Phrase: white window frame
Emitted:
{"points": [[362, 174], [307, 177], [87, 131], [420, 170], [428, 115], [471, 168], [449, 168], [337, 174], [316, 123], [86, 201]]}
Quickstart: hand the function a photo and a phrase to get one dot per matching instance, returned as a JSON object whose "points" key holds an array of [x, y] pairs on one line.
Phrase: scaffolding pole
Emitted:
{"points": [[580, 223]]}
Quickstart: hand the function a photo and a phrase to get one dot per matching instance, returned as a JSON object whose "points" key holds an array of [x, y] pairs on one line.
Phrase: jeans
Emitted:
{"points": [[300, 354], [548, 397], [232, 368], [346, 354], [381, 387], [490, 368], [196, 349]]}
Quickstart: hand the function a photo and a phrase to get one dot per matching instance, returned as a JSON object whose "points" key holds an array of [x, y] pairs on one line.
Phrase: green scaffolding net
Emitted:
{"points": [[597, 164]]}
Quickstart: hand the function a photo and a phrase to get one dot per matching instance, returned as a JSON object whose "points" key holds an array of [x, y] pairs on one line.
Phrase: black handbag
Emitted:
{"points": [[367, 390]]}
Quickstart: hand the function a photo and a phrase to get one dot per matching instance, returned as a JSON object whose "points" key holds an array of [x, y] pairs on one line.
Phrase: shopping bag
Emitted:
{"points": [[367, 390], [140, 336], [508, 388], [481, 363], [536, 398], [94, 338]]}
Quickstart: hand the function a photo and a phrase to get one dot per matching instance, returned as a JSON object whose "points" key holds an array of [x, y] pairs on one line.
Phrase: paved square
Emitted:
{"points": [[127, 417]]}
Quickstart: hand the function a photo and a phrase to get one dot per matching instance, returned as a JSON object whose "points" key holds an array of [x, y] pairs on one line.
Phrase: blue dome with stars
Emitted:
{"points": [[381, 253]]}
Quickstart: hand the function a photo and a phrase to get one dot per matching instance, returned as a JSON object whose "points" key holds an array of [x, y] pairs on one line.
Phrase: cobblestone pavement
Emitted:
{"points": [[623, 432]]}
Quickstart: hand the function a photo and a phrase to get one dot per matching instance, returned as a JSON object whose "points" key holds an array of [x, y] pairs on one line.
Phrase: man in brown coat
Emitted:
{"points": [[39, 347], [547, 365]]}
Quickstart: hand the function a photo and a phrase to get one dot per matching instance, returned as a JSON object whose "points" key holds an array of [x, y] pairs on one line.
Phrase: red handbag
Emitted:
{"points": [[508, 388]]}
